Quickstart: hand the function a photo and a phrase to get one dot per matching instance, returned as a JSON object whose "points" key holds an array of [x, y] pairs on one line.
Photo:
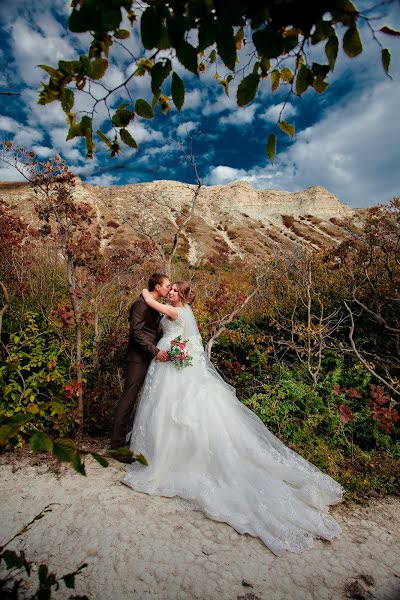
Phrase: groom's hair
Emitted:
{"points": [[156, 279]]}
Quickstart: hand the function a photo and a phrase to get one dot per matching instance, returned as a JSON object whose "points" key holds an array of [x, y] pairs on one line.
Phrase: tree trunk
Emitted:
{"points": [[78, 332]]}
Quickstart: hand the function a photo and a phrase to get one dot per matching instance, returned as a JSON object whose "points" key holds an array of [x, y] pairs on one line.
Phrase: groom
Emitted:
{"points": [[143, 336]]}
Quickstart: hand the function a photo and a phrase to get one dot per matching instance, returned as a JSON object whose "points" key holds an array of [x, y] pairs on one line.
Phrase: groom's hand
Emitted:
{"points": [[162, 356]]}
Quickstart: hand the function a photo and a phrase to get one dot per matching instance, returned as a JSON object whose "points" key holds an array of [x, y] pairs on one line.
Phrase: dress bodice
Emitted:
{"points": [[171, 329]]}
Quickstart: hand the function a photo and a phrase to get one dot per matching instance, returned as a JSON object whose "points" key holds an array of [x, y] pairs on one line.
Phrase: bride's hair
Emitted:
{"points": [[185, 292]]}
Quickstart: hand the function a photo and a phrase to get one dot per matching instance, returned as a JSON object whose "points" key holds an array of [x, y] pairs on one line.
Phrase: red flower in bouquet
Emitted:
{"points": [[178, 353]]}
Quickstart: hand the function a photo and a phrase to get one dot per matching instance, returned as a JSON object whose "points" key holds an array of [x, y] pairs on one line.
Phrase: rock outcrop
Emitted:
{"points": [[229, 221]]}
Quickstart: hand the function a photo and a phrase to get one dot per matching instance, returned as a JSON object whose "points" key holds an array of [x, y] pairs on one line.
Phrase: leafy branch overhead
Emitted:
{"points": [[273, 39]]}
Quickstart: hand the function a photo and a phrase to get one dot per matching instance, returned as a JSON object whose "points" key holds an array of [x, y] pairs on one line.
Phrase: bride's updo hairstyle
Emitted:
{"points": [[185, 292]]}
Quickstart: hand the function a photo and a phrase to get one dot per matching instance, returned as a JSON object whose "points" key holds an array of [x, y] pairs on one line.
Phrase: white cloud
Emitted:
{"points": [[142, 134], [185, 128], [43, 151], [67, 149], [273, 112], [8, 124], [222, 174], [352, 151], [222, 103], [32, 48], [105, 179], [241, 116], [192, 100]]}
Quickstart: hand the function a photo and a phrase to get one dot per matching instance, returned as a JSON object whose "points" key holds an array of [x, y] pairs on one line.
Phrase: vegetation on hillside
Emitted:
{"points": [[314, 352]]}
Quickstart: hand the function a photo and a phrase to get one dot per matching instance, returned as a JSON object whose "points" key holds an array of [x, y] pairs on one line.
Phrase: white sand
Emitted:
{"points": [[143, 547]]}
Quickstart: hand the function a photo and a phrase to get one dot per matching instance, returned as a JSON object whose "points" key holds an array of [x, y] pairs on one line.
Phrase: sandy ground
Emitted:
{"points": [[143, 547]]}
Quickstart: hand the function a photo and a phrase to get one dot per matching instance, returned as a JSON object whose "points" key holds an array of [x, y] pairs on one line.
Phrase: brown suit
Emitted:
{"points": [[143, 336]]}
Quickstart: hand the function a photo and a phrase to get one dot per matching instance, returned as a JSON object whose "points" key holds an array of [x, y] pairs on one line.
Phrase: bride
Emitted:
{"points": [[203, 445]]}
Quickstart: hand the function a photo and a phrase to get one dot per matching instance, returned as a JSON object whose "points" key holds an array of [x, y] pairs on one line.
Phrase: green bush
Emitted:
{"points": [[34, 375], [359, 453]]}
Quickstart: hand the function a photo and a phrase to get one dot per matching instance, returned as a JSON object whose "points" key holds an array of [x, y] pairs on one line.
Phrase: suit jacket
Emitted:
{"points": [[144, 332]]}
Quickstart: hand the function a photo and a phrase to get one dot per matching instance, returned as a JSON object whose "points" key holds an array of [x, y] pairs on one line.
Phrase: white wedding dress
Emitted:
{"points": [[203, 445]]}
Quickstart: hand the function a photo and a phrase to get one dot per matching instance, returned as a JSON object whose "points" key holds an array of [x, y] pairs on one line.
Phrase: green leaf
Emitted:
{"points": [[226, 45], [247, 89], [143, 109], [67, 101], [275, 77], [177, 91], [177, 26], [64, 450], [287, 128], [104, 138], [50, 70], [268, 43], [320, 85], [323, 30], [159, 73], [150, 28], [303, 80], [213, 56], [98, 67], [187, 56], [164, 42], [100, 459], [122, 34], [271, 147], [352, 42], [207, 34], [346, 13], [140, 458], [41, 442], [386, 59], [127, 138], [331, 51], [84, 65], [78, 464], [122, 117], [123, 451], [320, 72], [286, 75]]}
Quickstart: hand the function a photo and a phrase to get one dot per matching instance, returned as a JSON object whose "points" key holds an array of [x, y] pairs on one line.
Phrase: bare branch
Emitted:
{"points": [[361, 359]]}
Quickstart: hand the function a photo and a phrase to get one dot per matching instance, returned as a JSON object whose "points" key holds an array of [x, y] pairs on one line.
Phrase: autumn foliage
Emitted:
{"points": [[314, 351]]}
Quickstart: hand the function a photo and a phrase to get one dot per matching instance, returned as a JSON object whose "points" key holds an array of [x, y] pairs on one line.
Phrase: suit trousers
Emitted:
{"points": [[127, 405]]}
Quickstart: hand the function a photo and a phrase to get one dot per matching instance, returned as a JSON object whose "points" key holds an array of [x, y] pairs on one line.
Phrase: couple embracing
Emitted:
{"points": [[202, 444]]}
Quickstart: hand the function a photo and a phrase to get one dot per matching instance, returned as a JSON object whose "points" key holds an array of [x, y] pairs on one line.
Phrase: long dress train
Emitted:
{"points": [[203, 445]]}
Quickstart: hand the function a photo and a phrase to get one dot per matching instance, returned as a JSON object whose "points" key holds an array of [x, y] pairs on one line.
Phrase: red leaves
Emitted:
{"points": [[351, 392], [382, 409], [381, 405], [345, 414], [65, 314], [73, 389]]}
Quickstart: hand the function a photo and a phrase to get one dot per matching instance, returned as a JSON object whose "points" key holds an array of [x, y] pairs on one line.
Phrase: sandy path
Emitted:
{"points": [[143, 547]]}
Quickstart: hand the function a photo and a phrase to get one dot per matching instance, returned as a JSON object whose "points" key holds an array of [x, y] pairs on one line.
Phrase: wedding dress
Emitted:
{"points": [[203, 445]]}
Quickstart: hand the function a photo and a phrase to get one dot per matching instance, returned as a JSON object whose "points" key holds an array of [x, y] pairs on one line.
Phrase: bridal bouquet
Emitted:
{"points": [[178, 353]]}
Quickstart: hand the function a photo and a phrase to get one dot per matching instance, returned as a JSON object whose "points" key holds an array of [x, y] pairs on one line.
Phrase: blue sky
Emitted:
{"points": [[347, 140]]}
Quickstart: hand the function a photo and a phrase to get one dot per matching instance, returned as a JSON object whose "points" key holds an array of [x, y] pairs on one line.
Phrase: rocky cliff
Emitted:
{"points": [[228, 221]]}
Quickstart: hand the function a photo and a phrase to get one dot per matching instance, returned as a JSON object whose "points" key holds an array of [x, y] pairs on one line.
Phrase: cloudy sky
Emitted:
{"points": [[347, 140]]}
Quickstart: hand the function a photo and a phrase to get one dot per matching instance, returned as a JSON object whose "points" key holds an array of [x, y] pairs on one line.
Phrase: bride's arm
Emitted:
{"points": [[170, 311]]}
